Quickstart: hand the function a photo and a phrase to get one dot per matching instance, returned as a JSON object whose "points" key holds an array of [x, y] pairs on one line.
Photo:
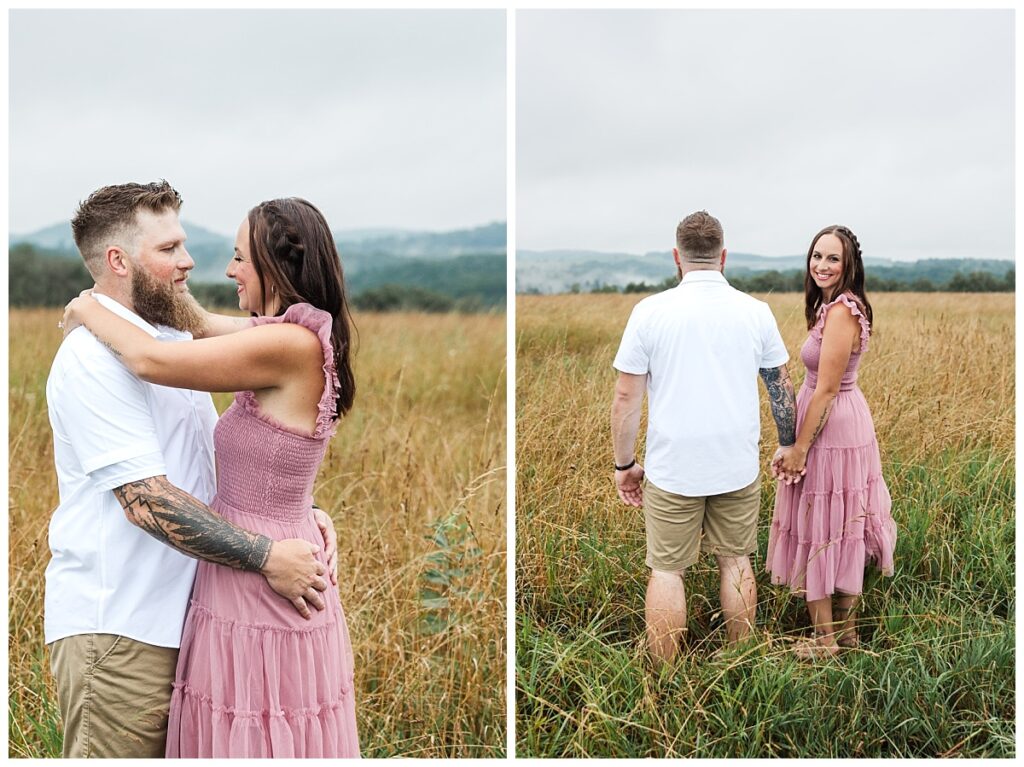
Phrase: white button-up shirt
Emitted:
{"points": [[105, 574], [701, 345]]}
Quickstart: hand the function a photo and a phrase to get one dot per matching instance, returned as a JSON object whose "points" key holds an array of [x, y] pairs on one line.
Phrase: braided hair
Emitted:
{"points": [[295, 258], [850, 281]]}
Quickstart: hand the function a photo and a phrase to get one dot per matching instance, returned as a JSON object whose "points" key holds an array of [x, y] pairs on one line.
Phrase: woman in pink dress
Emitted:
{"points": [[827, 527], [254, 677]]}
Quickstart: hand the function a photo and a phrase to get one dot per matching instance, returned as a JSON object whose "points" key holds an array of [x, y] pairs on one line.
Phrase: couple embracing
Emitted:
{"points": [[696, 351], [265, 665]]}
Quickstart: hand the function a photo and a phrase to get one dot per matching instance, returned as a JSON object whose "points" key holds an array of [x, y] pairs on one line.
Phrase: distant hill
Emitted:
{"points": [[559, 271], [359, 248], [466, 265], [209, 249], [556, 271], [361, 235], [58, 237], [55, 237], [462, 277], [481, 240]]}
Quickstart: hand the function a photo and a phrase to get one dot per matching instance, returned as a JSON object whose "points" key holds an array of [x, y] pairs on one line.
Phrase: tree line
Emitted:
{"points": [[40, 277], [792, 281]]}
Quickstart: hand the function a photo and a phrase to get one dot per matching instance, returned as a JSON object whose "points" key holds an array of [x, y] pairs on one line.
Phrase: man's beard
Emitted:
{"points": [[160, 304]]}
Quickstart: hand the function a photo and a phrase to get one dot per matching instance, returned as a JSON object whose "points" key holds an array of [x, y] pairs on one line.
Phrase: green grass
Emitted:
{"points": [[935, 672], [934, 675], [38, 722]]}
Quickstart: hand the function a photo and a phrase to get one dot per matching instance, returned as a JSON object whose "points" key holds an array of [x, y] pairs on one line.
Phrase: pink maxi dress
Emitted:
{"points": [[826, 528], [254, 678]]}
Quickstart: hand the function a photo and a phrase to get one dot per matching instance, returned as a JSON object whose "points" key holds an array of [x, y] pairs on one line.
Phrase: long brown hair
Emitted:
{"points": [[850, 281], [293, 250]]}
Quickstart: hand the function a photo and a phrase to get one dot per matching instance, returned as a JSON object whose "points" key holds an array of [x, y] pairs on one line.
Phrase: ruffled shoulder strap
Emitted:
{"points": [[321, 323], [856, 309]]}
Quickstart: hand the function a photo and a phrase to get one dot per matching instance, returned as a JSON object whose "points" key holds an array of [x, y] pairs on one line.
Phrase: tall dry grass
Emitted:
{"points": [[936, 673], [415, 480]]}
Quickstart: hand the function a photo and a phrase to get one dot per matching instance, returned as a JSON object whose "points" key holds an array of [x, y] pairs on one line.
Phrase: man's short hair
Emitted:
{"points": [[108, 216], [699, 238]]}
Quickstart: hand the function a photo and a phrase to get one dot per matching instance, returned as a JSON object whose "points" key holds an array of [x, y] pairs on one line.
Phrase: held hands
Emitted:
{"points": [[294, 573], [627, 482], [789, 464]]}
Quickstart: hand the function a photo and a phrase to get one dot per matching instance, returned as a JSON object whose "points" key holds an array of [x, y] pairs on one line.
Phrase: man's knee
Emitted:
{"points": [[666, 594]]}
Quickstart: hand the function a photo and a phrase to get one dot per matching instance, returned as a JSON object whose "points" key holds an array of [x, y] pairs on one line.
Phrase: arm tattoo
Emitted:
{"points": [[176, 518], [821, 421], [109, 346], [783, 402]]}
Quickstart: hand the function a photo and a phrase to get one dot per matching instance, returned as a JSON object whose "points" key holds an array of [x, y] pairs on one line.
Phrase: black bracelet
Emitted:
{"points": [[629, 465]]}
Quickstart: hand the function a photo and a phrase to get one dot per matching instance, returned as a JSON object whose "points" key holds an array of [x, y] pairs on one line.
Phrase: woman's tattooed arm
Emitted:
{"points": [[822, 420]]}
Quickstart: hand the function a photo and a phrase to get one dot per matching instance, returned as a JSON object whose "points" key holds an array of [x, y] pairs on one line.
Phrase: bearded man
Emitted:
{"points": [[119, 578]]}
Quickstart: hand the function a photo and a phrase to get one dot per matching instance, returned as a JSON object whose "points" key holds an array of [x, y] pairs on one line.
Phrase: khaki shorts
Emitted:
{"points": [[114, 695], [675, 524]]}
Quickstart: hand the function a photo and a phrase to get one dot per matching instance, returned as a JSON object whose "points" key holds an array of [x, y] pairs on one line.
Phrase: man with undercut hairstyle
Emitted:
{"points": [[135, 469], [696, 352]]}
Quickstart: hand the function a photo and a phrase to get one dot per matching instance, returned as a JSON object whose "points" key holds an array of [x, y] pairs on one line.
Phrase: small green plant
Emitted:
{"points": [[454, 558]]}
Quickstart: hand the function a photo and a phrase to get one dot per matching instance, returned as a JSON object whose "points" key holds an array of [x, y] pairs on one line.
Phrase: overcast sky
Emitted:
{"points": [[897, 124], [391, 118]]}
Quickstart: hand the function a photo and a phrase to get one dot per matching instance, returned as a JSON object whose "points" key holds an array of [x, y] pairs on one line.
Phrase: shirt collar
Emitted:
{"points": [[704, 275], [125, 313]]}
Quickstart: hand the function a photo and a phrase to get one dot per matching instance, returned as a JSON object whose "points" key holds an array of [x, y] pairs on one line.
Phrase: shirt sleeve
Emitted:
{"points": [[773, 352], [106, 418], [633, 357]]}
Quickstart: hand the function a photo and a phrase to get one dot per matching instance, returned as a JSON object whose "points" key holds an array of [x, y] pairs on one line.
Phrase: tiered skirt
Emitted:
{"points": [[254, 678], [827, 528]]}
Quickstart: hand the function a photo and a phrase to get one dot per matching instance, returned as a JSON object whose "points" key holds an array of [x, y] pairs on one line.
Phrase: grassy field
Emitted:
{"points": [[415, 479], [935, 675]]}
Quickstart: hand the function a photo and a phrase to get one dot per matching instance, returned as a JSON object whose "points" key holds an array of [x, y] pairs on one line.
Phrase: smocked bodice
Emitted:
{"points": [[810, 353], [262, 469], [263, 466]]}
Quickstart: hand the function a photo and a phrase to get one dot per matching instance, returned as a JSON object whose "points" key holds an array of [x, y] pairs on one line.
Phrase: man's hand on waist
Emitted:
{"points": [[293, 572], [326, 525]]}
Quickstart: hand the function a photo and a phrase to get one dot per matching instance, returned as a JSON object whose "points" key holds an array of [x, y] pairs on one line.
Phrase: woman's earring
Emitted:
{"points": [[273, 289]]}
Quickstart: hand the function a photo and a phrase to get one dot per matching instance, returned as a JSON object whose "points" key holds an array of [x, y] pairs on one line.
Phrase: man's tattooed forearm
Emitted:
{"points": [[782, 399], [174, 517]]}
